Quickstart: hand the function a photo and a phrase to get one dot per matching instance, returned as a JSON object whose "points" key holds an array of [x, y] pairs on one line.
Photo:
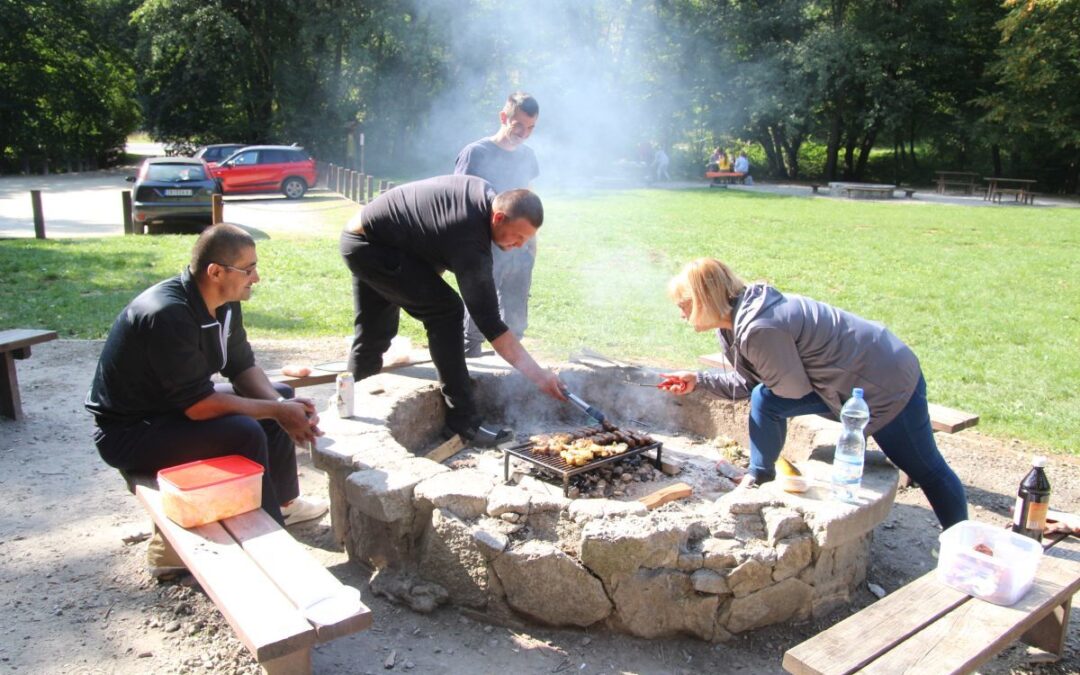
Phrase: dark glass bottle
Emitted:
{"points": [[1032, 501]]}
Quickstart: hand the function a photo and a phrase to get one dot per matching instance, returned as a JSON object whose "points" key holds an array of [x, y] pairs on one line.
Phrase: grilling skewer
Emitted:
{"points": [[585, 407]]}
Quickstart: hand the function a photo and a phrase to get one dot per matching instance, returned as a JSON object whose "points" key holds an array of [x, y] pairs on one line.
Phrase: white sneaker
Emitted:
{"points": [[303, 509]]}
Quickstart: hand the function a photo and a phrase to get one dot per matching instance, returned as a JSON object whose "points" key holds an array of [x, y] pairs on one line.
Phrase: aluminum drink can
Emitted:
{"points": [[345, 394]]}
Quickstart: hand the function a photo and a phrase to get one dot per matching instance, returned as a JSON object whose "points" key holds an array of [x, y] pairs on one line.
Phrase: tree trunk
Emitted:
{"points": [[995, 155], [864, 152], [849, 157], [832, 149]]}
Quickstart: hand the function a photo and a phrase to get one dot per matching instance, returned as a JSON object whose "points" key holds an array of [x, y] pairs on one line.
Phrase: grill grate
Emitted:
{"points": [[558, 466]]}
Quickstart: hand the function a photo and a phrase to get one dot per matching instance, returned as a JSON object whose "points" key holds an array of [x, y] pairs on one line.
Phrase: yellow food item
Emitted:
{"points": [[786, 468]]}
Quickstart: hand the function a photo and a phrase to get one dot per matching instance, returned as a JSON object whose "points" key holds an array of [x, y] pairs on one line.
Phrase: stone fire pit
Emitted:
{"points": [[712, 565]]}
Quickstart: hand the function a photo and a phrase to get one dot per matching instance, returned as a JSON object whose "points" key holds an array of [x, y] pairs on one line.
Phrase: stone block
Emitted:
{"points": [[490, 540], [781, 523], [463, 492], [584, 510], [662, 602], [837, 573], [746, 501], [748, 577], [720, 554], [709, 581], [787, 600], [544, 584], [792, 556], [387, 494], [688, 562], [451, 557], [508, 499], [614, 548]]}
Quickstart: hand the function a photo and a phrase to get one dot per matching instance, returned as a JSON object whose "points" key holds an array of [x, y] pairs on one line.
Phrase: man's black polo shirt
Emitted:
{"points": [[161, 352]]}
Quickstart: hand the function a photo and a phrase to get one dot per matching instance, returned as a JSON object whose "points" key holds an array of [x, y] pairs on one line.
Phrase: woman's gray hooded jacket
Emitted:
{"points": [[795, 346]]}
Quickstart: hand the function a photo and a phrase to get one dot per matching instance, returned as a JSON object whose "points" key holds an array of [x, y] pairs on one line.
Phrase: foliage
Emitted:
{"points": [[999, 342], [65, 93]]}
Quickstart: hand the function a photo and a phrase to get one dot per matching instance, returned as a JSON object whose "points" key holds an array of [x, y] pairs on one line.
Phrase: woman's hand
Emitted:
{"points": [[680, 383]]}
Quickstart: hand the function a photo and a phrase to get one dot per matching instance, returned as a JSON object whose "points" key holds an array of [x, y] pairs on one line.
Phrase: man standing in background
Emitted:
{"points": [[507, 163]]}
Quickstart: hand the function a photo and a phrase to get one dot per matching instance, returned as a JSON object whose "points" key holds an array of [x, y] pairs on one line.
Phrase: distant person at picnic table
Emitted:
{"points": [[152, 396], [507, 163], [722, 162], [795, 356], [398, 247], [714, 160], [742, 164]]}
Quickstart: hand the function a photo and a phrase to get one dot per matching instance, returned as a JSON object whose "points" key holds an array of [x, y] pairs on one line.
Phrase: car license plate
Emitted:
{"points": [[178, 193]]}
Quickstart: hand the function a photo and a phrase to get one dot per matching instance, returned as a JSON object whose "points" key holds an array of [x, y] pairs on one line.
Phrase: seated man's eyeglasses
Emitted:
{"points": [[247, 271]]}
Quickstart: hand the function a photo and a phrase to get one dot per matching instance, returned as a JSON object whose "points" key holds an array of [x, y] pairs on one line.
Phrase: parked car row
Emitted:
{"points": [[179, 190]]}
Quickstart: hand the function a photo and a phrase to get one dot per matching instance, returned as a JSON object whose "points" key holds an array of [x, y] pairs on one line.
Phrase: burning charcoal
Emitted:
{"points": [[617, 493], [574, 492], [618, 471], [626, 477]]}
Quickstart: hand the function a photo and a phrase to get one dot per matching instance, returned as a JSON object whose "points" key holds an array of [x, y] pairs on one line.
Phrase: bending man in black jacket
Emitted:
{"points": [[397, 248]]}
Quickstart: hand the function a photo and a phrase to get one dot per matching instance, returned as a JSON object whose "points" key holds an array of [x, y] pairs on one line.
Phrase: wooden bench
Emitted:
{"points": [[961, 180], [944, 419], [261, 579], [15, 344], [928, 627], [908, 192], [1016, 194], [725, 178], [328, 375]]}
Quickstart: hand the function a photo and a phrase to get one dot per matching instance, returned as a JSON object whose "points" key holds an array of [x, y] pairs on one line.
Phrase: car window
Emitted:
{"points": [[175, 172], [298, 156], [247, 158], [272, 157]]}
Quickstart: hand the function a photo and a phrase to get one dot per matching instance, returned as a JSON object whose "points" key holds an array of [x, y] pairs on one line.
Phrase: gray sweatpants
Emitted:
{"points": [[512, 271]]}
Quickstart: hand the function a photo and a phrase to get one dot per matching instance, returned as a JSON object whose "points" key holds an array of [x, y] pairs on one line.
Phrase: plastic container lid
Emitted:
{"points": [[206, 472], [857, 392], [1039, 461]]}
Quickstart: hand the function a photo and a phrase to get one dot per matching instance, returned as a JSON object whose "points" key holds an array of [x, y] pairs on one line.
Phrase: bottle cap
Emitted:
{"points": [[1038, 461], [857, 392]]}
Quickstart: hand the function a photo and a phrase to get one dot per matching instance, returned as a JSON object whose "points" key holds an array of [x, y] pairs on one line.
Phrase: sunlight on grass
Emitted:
{"points": [[987, 297]]}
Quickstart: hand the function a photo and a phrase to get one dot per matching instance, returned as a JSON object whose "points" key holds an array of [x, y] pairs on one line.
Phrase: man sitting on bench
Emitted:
{"points": [[154, 402]]}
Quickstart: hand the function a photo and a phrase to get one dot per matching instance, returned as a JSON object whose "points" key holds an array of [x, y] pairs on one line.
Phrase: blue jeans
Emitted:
{"points": [[908, 441]]}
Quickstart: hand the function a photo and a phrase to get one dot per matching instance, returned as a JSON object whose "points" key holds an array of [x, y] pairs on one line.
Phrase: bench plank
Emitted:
{"points": [[950, 420], [858, 639], [263, 619], [299, 576], [17, 338], [416, 357], [974, 633]]}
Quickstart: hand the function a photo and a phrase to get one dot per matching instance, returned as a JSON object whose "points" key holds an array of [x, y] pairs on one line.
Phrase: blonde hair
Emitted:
{"points": [[710, 286]]}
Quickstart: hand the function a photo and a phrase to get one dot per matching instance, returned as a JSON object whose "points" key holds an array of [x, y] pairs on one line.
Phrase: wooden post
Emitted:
{"points": [[370, 188], [390, 185], [125, 203], [39, 217], [382, 186], [337, 179], [358, 187], [218, 207], [329, 176]]}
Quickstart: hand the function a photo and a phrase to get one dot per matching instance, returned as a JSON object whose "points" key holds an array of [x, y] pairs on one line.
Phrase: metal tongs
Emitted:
{"points": [[585, 407]]}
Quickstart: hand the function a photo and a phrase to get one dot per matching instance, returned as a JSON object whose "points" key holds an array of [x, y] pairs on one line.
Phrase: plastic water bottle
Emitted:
{"points": [[850, 448]]}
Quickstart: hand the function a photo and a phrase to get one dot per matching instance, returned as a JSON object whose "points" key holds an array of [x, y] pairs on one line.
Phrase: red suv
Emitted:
{"points": [[267, 168]]}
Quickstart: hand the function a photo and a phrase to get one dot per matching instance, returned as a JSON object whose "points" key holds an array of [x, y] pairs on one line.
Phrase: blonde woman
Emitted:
{"points": [[795, 356]]}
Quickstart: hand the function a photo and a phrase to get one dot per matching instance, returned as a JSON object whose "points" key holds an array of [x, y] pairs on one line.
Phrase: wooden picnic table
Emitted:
{"points": [[963, 180], [1019, 187]]}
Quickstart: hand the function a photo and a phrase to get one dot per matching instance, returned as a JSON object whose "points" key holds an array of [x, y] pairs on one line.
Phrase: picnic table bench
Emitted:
{"points": [[15, 344], [961, 180], [1021, 192], [261, 579], [928, 627], [725, 178]]}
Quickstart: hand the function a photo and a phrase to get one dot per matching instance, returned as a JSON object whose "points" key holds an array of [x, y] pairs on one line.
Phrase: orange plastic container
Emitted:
{"points": [[201, 492]]}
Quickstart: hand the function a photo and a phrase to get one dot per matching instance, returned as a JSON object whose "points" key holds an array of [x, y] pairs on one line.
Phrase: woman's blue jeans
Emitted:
{"points": [[908, 441]]}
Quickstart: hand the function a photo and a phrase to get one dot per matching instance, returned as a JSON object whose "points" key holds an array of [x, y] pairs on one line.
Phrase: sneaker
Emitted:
{"points": [[303, 509], [481, 436]]}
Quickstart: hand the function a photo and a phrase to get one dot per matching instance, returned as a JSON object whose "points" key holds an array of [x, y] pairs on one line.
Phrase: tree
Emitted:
{"points": [[64, 94]]}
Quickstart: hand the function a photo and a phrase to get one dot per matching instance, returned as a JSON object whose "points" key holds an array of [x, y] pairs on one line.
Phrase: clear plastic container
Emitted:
{"points": [[201, 492], [991, 563]]}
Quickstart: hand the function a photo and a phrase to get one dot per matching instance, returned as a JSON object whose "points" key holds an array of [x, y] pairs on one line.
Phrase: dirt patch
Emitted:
{"points": [[76, 598]]}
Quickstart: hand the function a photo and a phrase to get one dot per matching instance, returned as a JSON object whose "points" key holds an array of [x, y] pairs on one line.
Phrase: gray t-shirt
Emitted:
{"points": [[504, 169]]}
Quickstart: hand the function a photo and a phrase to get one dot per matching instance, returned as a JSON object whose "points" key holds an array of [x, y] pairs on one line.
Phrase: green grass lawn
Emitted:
{"points": [[987, 297]]}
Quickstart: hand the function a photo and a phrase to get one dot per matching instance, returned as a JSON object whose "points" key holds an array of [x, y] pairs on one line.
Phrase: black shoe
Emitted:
{"points": [[481, 436]]}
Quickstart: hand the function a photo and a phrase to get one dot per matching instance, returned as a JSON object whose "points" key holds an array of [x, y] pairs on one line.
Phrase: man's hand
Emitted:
{"points": [[680, 383], [549, 383], [298, 418]]}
